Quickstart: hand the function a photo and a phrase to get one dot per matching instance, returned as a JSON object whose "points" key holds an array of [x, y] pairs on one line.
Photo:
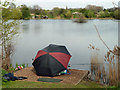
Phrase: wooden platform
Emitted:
{"points": [[74, 78]]}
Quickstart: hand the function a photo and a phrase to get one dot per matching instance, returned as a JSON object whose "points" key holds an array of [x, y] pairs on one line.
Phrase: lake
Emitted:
{"points": [[37, 34]]}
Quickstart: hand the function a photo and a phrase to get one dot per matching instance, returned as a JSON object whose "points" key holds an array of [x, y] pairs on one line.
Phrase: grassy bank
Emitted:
{"points": [[26, 84]]}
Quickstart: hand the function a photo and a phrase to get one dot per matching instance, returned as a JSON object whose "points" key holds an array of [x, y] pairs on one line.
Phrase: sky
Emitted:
{"points": [[49, 4]]}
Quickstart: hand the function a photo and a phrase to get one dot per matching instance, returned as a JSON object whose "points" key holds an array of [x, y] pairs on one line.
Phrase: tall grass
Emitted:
{"points": [[106, 71], [111, 58]]}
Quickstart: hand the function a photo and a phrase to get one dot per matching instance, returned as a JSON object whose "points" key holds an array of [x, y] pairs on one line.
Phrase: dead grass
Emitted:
{"points": [[112, 59], [108, 75]]}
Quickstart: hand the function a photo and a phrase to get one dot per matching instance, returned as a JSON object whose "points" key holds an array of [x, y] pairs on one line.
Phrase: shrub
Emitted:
{"points": [[116, 14], [68, 15], [3, 72]]}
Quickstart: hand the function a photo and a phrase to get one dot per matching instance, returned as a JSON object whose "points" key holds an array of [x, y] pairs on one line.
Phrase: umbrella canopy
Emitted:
{"points": [[51, 60]]}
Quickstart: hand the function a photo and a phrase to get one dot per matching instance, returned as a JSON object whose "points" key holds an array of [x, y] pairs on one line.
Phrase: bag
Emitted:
{"points": [[10, 76]]}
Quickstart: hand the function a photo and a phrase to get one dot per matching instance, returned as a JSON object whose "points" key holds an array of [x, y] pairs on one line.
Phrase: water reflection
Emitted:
{"points": [[25, 27], [37, 27]]}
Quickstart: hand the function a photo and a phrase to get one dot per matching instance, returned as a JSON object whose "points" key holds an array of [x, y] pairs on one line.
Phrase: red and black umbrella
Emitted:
{"points": [[51, 60]]}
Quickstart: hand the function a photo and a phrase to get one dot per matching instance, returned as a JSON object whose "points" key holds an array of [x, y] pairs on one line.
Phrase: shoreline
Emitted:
{"points": [[72, 78], [72, 19]]}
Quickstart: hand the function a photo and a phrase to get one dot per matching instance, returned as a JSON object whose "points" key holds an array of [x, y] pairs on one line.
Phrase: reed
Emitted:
{"points": [[95, 64], [112, 62], [112, 59], [107, 71]]}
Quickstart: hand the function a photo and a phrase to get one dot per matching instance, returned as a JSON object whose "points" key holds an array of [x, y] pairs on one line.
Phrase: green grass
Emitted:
{"points": [[26, 84]]}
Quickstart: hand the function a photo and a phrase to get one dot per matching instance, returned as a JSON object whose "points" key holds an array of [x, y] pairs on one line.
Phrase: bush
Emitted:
{"points": [[90, 14], [101, 14], [68, 15], [116, 14], [3, 72], [62, 16], [107, 13], [76, 16], [25, 12]]}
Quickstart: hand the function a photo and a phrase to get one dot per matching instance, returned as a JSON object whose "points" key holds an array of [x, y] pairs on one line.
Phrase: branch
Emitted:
{"points": [[114, 4], [102, 39]]}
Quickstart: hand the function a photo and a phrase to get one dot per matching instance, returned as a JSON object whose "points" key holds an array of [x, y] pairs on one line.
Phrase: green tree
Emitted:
{"points": [[62, 11], [104, 14], [116, 14], [90, 14], [16, 13], [68, 14], [101, 14], [107, 14], [44, 12], [83, 11], [51, 14], [37, 9], [111, 14], [56, 11], [62, 16], [25, 11], [8, 30]]}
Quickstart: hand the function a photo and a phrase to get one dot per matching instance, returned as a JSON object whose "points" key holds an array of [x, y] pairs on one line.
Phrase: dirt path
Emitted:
{"points": [[74, 78]]}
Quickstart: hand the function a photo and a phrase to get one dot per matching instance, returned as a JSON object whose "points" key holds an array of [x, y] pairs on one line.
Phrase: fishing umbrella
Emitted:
{"points": [[51, 60]]}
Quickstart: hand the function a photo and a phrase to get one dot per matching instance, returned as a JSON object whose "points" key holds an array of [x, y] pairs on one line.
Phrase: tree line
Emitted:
{"points": [[90, 11]]}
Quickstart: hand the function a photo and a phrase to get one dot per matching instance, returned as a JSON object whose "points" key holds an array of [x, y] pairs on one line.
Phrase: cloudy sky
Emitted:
{"points": [[49, 4]]}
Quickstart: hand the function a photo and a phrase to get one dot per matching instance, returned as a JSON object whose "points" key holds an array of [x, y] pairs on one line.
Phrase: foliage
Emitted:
{"points": [[25, 11], [56, 11], [11, 69], [10, 13], [16, 13], [9, 29], [3, 72], [27, 65], [104, 14], [16, 64], [36, 10], [89, 14], [61, 15], [111, 14], [68, 14], [101, 14], [51, 14], [117, 14]]}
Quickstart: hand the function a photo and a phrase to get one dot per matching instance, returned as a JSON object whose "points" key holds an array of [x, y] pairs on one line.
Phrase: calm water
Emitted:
{"points": [[37, 34]]}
